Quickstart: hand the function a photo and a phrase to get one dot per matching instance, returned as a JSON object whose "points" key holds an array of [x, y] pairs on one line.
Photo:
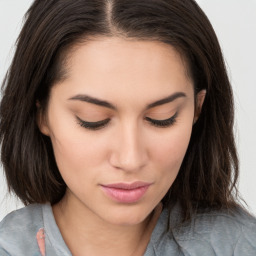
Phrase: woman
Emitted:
{"points": [[117, 134]]}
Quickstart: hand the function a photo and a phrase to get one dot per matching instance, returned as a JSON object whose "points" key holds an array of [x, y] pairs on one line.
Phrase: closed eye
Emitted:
{"points": [[102, 123], [93, 125], [163, 123]]}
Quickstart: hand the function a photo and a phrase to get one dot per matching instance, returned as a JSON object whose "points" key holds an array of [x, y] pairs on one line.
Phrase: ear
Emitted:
{"points": [[42, 120], [199, 104]]}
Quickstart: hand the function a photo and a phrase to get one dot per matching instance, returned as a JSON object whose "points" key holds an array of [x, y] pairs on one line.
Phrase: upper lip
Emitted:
{"points": [[134, 185]]}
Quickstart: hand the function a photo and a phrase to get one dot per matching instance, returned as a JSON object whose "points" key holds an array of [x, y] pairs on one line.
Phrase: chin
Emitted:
{"points": [[127, 217]]}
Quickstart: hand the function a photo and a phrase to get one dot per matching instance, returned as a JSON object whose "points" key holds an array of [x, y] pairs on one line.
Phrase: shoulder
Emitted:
{"points": [[21, 219], [219, 233], [19, 228]]}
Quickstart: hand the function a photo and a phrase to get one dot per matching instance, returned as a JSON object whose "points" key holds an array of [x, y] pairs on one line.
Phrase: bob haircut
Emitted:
{"points": [[209, 172]]}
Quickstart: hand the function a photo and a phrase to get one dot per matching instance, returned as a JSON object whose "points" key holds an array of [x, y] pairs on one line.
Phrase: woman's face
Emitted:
{"points": [[120, 124]]}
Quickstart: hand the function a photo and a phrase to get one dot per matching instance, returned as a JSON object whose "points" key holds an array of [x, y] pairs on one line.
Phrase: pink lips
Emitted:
{"points": [[126, 193]]}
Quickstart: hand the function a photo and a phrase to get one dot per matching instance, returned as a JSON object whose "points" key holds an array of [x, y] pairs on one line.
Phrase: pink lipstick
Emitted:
{"points": [[126, 192]]}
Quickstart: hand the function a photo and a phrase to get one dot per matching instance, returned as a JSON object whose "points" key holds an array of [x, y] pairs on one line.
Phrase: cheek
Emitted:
{"points": [[75, 161], [169, 154], [72, 146], [75, 154]]}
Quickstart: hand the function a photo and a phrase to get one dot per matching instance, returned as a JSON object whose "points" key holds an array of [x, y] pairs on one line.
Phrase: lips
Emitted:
{"points": [[126, 192]]}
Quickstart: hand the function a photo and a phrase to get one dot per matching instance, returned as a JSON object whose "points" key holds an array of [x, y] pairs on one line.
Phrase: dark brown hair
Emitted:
{"points": [[209, 172]]}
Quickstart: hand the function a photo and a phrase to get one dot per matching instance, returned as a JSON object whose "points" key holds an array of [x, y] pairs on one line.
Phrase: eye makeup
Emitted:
{"points": [[93, 125], [103, 123], [163, 123]]}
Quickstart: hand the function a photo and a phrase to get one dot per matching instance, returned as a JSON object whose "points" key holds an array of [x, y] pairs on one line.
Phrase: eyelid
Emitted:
{"points": [[163, 123], [102, 123], [93, 125]]}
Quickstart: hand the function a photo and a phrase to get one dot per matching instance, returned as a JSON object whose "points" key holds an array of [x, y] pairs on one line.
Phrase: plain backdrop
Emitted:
{"points": [[235, 24]]}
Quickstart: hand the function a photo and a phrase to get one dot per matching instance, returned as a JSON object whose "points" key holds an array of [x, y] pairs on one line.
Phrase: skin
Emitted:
{"points": [[130, 75]]}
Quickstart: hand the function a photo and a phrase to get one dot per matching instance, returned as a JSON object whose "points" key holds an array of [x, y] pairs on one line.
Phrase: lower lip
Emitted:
{"points": [[125, 195]]}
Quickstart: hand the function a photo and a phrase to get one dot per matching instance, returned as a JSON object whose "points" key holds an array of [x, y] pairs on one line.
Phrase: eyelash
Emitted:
{"points": [[101, 124], [93, 125], [163, 123]]}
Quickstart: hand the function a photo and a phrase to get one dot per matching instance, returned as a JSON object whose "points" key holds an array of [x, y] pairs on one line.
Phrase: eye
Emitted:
{"points": [[93, 125], [163, 123]]}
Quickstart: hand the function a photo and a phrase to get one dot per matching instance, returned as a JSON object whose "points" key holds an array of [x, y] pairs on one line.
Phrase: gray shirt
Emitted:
{"points": [[209, 234]]}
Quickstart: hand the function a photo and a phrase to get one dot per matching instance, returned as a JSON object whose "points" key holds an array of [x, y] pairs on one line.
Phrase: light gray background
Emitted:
{"points": [[235, 24]]}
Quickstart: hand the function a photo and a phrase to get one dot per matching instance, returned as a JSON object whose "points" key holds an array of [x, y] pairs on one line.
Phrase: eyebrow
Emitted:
{"points": [[99, 102]]}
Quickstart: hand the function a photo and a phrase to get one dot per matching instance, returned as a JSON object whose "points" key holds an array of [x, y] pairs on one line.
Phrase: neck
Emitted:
{"points": [[83, 231]]}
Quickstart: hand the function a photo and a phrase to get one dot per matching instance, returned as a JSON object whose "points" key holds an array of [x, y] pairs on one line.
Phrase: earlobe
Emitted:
{"points": [[41, 120], [200, 97]]}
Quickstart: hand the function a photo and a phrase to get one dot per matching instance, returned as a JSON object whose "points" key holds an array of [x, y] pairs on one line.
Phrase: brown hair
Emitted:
{"points": [[209, 172]]}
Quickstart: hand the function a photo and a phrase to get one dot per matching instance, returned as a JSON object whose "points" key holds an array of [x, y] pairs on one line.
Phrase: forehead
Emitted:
{"points": [[114, 66]]}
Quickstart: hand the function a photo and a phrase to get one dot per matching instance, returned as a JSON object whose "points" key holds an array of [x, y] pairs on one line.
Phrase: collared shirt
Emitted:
{"points": [[208, 234]]}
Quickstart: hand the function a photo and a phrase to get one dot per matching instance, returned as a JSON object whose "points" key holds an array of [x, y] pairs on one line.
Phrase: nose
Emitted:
{"points": [[130, 150]]}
